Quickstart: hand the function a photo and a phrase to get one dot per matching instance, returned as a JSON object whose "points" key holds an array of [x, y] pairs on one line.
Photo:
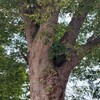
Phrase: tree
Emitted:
{"points": [[53, 49]]}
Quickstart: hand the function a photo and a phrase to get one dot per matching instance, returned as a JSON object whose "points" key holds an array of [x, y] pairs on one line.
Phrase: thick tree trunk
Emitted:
{"points": [[46, 82]]}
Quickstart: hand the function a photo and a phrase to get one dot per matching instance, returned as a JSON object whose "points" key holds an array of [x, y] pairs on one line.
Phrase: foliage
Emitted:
{"points": [[57, 49], [12, 43], [12, 76], [12, 72]]}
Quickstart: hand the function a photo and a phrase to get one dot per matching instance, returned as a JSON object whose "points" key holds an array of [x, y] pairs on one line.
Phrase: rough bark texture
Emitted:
{"points": [[47, 82], [78, 18]]}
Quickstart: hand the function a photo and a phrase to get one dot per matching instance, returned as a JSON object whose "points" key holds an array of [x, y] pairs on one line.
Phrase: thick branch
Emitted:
{"points": [[92, 44], [76, 59], [31, 28], [48, 26], [77, 21]]}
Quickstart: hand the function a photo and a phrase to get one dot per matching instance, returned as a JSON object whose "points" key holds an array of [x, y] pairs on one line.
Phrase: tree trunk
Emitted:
{"points": [[47, 82]]}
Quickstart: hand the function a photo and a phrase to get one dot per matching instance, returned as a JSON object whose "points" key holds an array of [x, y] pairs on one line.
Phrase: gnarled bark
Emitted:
{"points": [[46, 81]]}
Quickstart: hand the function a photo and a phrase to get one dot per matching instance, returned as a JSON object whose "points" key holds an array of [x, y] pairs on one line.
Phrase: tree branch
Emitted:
{"points": [[92, 43], [77, 21], [31, 27], [49, 25]]}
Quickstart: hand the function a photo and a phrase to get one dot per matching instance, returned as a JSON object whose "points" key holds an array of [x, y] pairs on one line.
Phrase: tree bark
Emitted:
{"points": [[46, 82]]}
